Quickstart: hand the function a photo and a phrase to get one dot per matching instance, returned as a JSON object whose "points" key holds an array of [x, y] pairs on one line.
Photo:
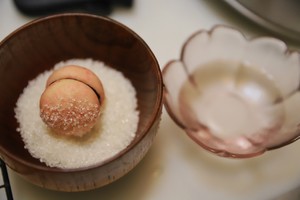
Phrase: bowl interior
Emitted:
{"points": [[40, 44]]}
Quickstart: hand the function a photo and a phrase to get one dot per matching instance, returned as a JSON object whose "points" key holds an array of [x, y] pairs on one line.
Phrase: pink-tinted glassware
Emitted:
{"points": [[233, 96]]}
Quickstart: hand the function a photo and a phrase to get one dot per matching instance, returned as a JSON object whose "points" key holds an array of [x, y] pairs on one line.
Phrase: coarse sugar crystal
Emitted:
{"points": [[112, 133]]}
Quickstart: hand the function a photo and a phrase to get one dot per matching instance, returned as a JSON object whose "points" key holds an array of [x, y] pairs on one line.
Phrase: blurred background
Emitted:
{"points": [[176, 168]]}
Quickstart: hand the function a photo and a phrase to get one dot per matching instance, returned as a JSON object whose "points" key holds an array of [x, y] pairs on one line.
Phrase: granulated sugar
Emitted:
{"points": [[113, 132]]}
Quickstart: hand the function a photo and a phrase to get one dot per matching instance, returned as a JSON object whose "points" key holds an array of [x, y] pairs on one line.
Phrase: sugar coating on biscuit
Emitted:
{"points": [[113, 132]]}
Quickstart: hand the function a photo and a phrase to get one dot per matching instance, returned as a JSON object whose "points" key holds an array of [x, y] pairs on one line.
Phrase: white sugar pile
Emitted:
{"points": [[114, 131]]}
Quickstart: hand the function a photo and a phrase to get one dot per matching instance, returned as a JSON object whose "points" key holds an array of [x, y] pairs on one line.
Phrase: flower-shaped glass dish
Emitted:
{"points": [[235, 97]]}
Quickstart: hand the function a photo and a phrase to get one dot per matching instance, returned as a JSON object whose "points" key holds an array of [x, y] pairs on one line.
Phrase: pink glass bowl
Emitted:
{"points": [[235, 97]]}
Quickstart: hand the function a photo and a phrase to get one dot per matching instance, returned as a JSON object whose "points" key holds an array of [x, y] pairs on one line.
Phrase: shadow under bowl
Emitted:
{"points": [[38, 46]]}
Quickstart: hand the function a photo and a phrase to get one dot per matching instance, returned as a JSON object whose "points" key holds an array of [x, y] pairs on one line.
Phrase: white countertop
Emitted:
{"points": [[175, 167]]}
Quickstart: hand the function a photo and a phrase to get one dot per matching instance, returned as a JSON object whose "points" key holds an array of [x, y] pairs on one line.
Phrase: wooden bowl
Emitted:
{"points": [[36, 47]]}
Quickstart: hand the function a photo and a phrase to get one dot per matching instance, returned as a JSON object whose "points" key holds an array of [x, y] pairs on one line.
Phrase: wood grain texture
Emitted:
{"points": [[39, 45]]}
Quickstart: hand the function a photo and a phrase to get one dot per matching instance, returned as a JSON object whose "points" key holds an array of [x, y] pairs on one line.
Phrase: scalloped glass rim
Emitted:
{"points": [[285, 51]]}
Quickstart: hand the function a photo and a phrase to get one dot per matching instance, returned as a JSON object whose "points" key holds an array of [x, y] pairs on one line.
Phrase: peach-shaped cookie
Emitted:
{"points": [[81, 74], [72, 100]]}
